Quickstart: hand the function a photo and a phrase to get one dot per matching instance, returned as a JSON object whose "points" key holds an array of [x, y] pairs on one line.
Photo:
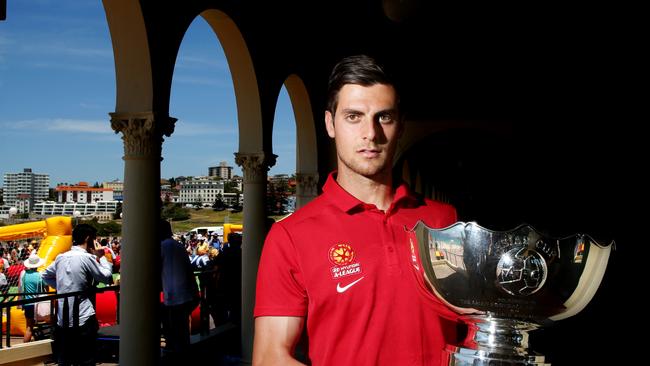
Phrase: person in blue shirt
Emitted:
{"points": [[30, 282]]}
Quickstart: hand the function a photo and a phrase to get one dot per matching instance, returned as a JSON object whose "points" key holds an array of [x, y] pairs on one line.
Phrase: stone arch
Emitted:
{"points": [[133, 72], [306, 143], [249, 106]]}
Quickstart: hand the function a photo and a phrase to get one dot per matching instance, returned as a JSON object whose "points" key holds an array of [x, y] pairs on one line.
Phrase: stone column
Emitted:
{"points": [[142, 134], [306, 188], [255, 167]]}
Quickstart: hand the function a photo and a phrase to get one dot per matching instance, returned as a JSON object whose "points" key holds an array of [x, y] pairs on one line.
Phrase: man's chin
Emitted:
{"points": [[370, 172]]}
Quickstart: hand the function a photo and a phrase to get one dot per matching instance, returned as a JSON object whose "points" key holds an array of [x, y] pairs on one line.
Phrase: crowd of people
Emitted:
{"points": [[216, 264], [196, 269], [14, 254]]}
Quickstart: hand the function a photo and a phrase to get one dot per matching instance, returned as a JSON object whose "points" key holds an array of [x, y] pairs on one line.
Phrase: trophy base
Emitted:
{"points": [[494, 341], [459, 356]]}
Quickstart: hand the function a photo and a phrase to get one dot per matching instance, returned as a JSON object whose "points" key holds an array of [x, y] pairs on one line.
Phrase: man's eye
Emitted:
{"points": [[385, 118], [352, 117]]}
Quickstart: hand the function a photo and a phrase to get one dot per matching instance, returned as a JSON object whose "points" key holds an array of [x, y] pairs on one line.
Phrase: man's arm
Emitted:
{"points": [[49, 275], [101, 271], [275, 340]]}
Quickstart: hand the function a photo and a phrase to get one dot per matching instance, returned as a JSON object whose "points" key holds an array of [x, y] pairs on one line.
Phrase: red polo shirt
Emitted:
{"points": [[346, 266]]}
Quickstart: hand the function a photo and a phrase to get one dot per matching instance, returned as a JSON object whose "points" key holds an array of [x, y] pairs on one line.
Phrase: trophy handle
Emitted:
{"points": [[589, 282]]}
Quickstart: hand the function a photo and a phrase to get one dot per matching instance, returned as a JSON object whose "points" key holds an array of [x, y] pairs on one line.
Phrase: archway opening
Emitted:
{"points": [[281, 188], [199, 171]]}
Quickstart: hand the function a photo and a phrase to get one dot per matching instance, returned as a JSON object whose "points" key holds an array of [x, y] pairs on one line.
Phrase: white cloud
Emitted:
{"points": [[71, 66], [60, 124], [85, 126], [53, 48], [91, 105]]}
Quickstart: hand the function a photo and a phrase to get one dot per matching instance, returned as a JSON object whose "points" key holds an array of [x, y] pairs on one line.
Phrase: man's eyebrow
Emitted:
{"points": [[351, 110], [391, 111]]}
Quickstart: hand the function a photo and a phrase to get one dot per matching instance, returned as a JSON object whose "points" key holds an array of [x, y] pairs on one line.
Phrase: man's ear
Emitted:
{"points": [[329, 124]]}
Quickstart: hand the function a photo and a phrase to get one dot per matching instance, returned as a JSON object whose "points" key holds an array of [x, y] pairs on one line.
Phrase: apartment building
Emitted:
{"points": [[82, 193], [22, 190], [223, 171]]}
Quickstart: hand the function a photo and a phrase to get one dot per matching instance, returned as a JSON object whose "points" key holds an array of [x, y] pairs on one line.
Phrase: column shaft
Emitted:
{"points": [[255, 167], [140, 268]]}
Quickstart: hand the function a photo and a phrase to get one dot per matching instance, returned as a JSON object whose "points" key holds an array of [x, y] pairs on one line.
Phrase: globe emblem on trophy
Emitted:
{"points": [[521, 271], [506, 284]]}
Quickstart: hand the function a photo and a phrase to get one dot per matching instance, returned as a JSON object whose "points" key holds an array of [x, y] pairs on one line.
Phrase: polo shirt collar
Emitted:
{"points": [[346, 202]]}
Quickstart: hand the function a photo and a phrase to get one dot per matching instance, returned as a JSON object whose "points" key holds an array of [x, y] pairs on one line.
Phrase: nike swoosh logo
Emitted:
{"points": [[341, 290]]}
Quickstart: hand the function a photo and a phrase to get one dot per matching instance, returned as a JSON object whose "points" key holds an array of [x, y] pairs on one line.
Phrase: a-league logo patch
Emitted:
{"points": [[343, 257]]}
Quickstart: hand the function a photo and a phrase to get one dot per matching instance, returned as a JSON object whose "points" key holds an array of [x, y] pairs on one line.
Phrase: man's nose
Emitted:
{"points": [[371, 130]]}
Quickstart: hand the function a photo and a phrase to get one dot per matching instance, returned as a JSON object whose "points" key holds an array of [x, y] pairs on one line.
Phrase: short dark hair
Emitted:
{"points": [[359, 70], [81, 232]]}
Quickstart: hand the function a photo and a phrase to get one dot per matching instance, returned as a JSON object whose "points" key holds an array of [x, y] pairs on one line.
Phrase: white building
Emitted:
{"points": [[223, 171], [83, 193], [21, 190], [200, 190], [118, 189], [98, 209]]}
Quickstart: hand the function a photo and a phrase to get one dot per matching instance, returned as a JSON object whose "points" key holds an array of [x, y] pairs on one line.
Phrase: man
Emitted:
{"points": [[342, 262], [73, 271], [180, 296]]}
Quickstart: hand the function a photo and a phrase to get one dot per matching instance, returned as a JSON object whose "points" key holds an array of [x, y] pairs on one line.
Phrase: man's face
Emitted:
{"points": [[366, 128]]}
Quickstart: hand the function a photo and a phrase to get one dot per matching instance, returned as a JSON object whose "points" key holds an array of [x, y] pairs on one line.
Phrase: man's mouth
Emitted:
{"points": [[369, 152]]}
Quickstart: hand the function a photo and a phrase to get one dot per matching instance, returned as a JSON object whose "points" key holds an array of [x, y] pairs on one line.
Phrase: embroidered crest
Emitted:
{"points": [[343, 257]]}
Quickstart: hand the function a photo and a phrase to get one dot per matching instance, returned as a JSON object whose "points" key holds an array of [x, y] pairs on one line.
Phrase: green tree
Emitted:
{"points": [[277, 194], [219, 205], [118, 211], [175, 212], [230, 187], [110, 228]]}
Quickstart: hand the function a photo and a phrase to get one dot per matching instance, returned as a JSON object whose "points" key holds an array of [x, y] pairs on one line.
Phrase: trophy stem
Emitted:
{"points": [[495, 341]]}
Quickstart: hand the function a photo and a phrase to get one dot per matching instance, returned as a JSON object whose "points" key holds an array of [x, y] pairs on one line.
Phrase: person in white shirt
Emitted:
{"points": [[78, 269]]}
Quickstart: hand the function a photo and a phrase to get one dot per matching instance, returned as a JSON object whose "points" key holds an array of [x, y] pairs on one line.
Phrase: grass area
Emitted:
{"points": [[207, 217]]}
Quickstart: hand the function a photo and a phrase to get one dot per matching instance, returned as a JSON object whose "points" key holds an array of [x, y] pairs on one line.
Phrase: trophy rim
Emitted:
{"points": [[611, 243]]}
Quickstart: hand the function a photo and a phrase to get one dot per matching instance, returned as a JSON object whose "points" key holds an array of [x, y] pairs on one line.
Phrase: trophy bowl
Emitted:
{"points": [[506, 284]]}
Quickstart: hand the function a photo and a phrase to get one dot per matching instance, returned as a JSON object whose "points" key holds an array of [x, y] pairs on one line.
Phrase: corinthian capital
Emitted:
{"points": [[142, 132], [255, 165]]}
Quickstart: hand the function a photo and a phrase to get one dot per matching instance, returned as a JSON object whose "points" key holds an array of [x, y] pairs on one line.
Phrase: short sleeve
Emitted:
{"points": [[280, 285]]}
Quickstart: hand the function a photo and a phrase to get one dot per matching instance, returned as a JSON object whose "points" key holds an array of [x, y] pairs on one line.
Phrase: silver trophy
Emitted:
{"points": [[506, 283]]}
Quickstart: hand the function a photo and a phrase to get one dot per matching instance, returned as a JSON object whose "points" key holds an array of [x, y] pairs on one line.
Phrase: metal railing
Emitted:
{"points": [[6, 305], [10, 300]]}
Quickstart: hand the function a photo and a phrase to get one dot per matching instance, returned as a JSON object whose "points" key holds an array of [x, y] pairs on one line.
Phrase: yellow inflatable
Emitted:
{"points": [[57, 238], [231, 228]]}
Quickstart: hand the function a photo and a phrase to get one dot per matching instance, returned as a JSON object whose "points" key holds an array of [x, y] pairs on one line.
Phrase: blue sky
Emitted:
{"points": [[57, 86]]}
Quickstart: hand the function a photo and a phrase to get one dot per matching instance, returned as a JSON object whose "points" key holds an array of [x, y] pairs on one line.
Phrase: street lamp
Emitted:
{"points": [[76, 215]]}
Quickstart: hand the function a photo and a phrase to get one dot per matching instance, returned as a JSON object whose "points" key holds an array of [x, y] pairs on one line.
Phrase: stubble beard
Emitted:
{"points": [[371, 170]]}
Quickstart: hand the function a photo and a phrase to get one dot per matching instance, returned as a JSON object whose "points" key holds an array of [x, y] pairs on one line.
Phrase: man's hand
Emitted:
{"points": [[97, 250]]}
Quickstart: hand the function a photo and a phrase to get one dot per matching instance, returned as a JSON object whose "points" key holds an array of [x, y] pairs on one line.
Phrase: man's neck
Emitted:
{"points": [[376, 190]]}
